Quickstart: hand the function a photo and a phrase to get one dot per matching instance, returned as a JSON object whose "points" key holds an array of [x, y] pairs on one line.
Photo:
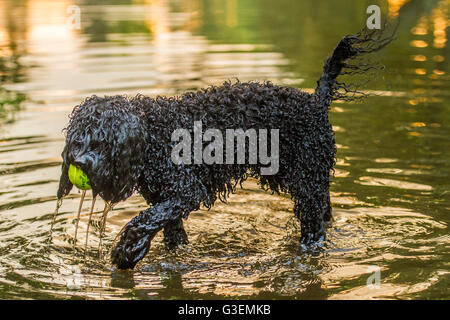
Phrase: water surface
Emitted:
{"points": [[390, 193]]}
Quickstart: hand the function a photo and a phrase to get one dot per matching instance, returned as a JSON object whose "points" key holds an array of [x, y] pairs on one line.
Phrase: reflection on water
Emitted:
{"points": [[390, 193]]}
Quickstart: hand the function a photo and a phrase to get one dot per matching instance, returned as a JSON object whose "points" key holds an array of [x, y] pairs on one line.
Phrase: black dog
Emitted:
{"points": [[124, 145]]}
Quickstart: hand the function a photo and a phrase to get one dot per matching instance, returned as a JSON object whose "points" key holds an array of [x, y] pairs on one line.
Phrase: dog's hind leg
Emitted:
{"points": [[174, 234], [311, 209], [311, 204]]}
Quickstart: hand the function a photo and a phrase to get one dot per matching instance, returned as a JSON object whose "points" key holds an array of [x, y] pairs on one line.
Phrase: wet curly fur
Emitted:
{"points": [[124, 145]]}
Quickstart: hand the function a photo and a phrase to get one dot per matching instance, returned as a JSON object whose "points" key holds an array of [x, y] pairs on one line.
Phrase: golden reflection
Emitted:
{"points": [[440, 21], [340, 146], [339, 198], [438, 58], [418, 100], [389, 289], [419, 57], [418, 124], [12, 30], [421, 28], [157, 17], [385, 160], [384, 93], [47, 19], [4, 39], [338, 173], [365, 293], [341, 162], [394, 171], [419, 44], [419, 91], [338, 129], [420, 71], [436, 100], [347, 272], [394, 7], [337, 109], [380, 182]]}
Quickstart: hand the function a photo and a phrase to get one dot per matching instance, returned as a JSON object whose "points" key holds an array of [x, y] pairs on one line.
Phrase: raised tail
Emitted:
{"points": [[349, 49]]}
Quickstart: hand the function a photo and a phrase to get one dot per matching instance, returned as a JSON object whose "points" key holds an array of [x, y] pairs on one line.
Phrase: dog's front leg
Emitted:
{"points": [[139, 232]]}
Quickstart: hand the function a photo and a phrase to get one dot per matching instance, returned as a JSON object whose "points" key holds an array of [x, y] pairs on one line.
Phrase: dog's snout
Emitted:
{"points": [[83, 161]]}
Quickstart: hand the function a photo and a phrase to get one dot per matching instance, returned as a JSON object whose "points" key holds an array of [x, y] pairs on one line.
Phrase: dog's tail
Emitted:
{"points": [[349, 50]]}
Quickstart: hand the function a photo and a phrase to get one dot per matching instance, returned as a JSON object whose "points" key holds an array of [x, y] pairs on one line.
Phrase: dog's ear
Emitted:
{"points": [[128, 154], [64, 183], [109, 134]]}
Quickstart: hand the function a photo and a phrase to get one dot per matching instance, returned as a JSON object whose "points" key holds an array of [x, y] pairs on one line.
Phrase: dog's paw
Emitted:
{"points": [[175, 240], [133, 245]]}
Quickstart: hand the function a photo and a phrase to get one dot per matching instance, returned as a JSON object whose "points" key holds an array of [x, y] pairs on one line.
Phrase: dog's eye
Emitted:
{"points": [[75, 147]]}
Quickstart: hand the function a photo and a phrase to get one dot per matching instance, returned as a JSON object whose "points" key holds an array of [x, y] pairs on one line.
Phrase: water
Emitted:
{"points": [[390, 194]]}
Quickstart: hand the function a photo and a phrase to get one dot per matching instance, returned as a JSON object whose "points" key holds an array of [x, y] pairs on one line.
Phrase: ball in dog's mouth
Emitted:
{"points": [[79, 178]]}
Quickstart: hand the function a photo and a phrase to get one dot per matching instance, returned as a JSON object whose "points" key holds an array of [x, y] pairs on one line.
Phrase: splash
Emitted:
{"points": [[83, 194], [58, 205], [88, 225], [108, 207]]}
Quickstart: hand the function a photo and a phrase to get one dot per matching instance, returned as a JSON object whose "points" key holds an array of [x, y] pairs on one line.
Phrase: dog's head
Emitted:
{"points": [[106, 138]]}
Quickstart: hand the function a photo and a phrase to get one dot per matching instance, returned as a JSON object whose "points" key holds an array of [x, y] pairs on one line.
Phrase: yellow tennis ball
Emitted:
{"points": [[78, 178]]}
